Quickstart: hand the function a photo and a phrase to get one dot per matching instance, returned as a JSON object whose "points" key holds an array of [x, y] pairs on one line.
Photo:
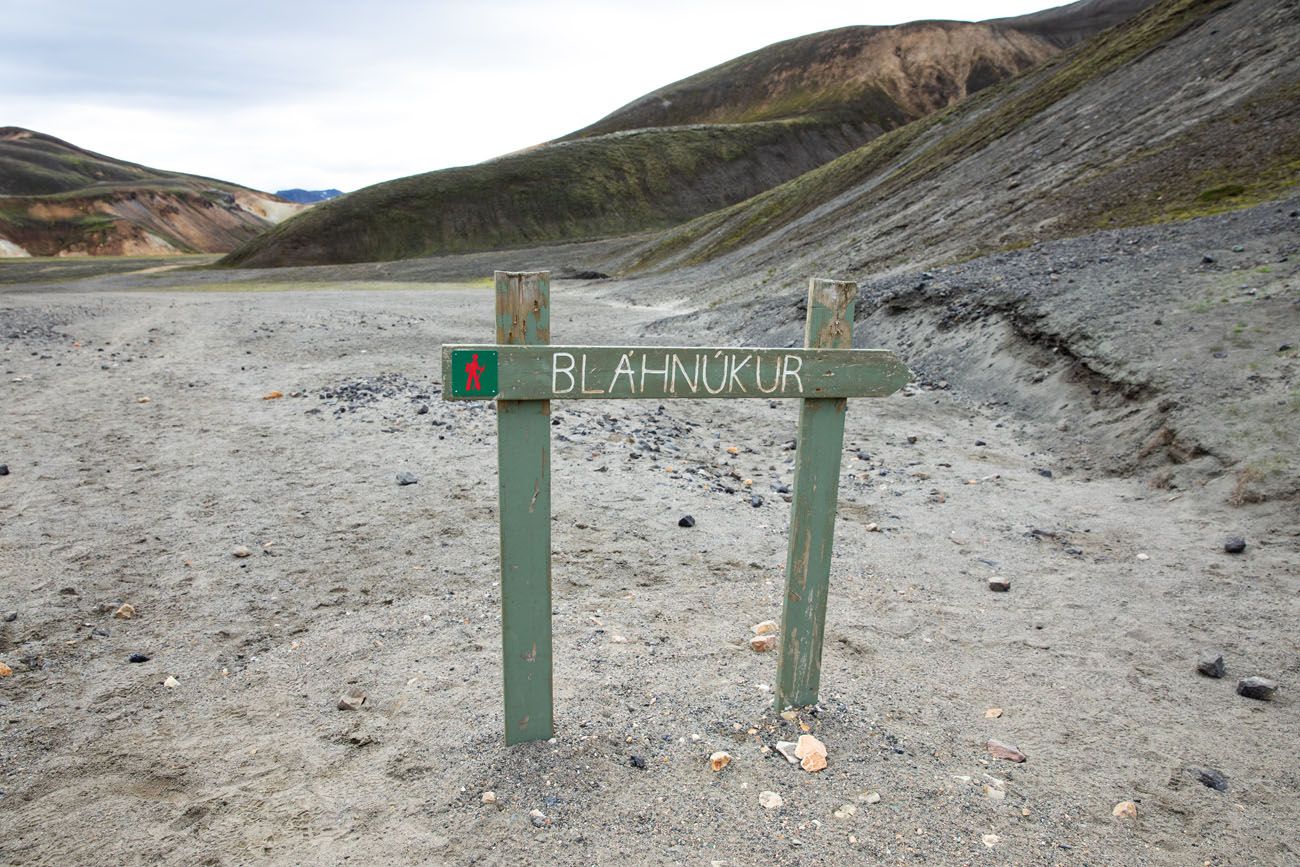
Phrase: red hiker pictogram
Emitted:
{"points": [[472, 370]]}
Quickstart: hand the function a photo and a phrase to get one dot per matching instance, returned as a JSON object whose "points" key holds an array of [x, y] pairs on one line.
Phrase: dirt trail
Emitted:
{"points": [[355, 581]]}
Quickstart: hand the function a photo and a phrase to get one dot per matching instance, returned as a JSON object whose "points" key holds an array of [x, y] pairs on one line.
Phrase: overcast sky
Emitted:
{"points": [[318, 94]]}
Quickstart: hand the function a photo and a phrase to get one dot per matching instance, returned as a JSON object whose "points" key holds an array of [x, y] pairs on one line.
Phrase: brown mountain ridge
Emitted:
{"points": [[57, 199]]}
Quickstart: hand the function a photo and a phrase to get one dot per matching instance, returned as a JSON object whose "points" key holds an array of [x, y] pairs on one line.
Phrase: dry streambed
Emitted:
{"points": [[322, 672]]}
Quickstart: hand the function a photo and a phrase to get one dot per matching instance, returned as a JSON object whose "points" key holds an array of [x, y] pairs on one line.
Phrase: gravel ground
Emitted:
{"points": [[356, 582]]}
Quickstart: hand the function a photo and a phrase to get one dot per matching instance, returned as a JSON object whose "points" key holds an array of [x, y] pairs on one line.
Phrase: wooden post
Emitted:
{"points": [[523, 308], [812, 514]]}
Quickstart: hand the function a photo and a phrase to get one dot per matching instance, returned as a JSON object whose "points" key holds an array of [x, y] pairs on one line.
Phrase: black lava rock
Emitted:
{"points": [[1234, 545], [4, 469], [1259, 688], [1210, 664], [1044, 472], [137, 658], [405, 478], [11, 616], [980, 443], [422, 409], [1210, 778], [756, 501], [637, 762], [686, 521], [1207, 259]]}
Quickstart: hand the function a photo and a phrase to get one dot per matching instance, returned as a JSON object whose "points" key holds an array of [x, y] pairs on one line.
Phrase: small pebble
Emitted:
{"points": [[11, 616], [871, 797], [171, 682], [762, 643], [812, 754], [538, 818], [993, 713], [873, 528], [5, 671], [125, 611], [352, 699], [993, 793], [1000, 750], [756, 501], [770, 800], [1210, 778], [1260, 688], [845, 812], [686, 521], [637, 762], [137, 658], [911, 440], [1125, 810], [767, 627], [489, 798], [241, 551], [404, 478], [787, 749], [991, 840], [1210, 664], [719, 760], [999, 584], [1234, 545]]}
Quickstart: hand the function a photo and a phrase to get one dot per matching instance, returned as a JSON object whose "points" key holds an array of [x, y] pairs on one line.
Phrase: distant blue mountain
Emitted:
{"points": [[308, 197]]}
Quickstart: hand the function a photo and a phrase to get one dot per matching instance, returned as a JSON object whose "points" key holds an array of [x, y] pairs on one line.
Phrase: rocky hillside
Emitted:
{"points": [[1075, 22], [693, 147], [57, 199], [1190, 108]]}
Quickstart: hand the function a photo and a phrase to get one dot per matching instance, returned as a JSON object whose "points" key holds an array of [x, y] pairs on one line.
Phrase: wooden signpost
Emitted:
{"points": [[524, 374]]}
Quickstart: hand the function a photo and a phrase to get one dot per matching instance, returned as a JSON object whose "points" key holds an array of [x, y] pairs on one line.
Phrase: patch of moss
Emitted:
{"points": [[1221, 192]]}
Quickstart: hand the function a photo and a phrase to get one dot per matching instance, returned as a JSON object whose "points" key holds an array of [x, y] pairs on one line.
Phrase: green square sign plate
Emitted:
{"points": [[474, 374]]}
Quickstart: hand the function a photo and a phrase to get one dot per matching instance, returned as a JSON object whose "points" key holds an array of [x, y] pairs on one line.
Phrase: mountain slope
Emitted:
{"points": [[58, 199], [1075, 22], [889, 74], [1191, 107], [709, 141]]}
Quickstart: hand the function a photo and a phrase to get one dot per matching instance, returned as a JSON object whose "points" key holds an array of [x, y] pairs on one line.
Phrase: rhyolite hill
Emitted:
{"points": [[863, 148], [703, 143], [1192, 107], [57, 199]]}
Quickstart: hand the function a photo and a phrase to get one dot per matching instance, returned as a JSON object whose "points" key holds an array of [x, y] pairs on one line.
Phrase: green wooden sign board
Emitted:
{"points": [[524, 373]]}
